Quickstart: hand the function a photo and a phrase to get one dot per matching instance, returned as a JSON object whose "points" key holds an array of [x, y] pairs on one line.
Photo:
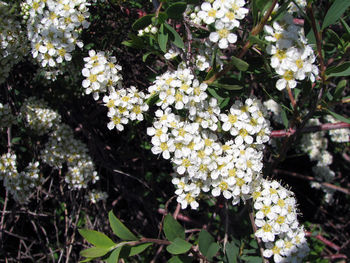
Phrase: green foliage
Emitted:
{"points": [[335, 12], [119, 229], [172, 229]]}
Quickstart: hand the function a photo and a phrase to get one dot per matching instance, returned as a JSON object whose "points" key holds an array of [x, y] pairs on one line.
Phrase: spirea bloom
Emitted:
{"points": [[53, 29], [276, 220]]}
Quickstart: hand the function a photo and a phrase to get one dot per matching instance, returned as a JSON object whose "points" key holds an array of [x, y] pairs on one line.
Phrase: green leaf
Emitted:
{"points": [[177, 40], [97, 238], [228, 84], [134, 42], [232, 252], [207, 245], [345, 25], [114, 256], [239, 63], [178, 246], [162, 17], [335, 12], [339, 71], [15, 140], [180, 259], [212, 91], [284, 118], [94, 252], [142, 22], [251, 259], [339, 89], [176, 10], [145, 56], [256, 40], [119, 229], [204, 241], [86, 260], [339, 117], [162, 38], [134, 250], [172, 229]]}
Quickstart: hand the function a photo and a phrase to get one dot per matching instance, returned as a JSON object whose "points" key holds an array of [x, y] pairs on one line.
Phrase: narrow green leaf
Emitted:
{"points": [[256, 40], [252, 259], [114, 256], [138, 249], [176, 10], [180, 259], [232, 252], [96, 238], [172, 229], [15, 140], [178, 246], [177, 40], [345, 25], [119, 229], [339, 71], [239, 63], [142, 22], [335, 12], [94, 252], [145, 56], [212, 91], [339, 117], [162, 38], [339, 89], [226, 86], [86, 260], [284, 118]]}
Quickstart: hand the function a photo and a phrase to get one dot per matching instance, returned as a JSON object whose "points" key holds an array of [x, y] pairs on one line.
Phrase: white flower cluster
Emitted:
{"points": [[275, 108], [95, 196], [12, 42], [38, 116], [61, 148], [20, 185], [292, 58], [150, 29], [338, 135], [315, 145], [124, 105], [102, 76], [203, 161], [101, 72], [293, 8], [225, 16], [53, 28], [171, 54], [276, 220], [6, 116]]}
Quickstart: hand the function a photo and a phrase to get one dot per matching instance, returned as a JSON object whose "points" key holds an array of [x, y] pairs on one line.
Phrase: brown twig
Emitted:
{"points": [[318, 37], [316, 128], [323, 240], [251, 217], [310, 178]]}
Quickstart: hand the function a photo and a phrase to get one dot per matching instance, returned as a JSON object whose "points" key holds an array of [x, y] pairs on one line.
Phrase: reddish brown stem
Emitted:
{"points": [[318, 37], [323, 240], [323, 127], [310, 178]]}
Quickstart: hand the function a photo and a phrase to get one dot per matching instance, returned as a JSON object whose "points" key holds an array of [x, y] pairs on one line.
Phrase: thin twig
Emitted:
{"points": [[310, 178], [316, 128], [251, 217]]}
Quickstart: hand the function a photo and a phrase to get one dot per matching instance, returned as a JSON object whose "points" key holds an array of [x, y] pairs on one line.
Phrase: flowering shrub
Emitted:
{"points": [[204, 101]]}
